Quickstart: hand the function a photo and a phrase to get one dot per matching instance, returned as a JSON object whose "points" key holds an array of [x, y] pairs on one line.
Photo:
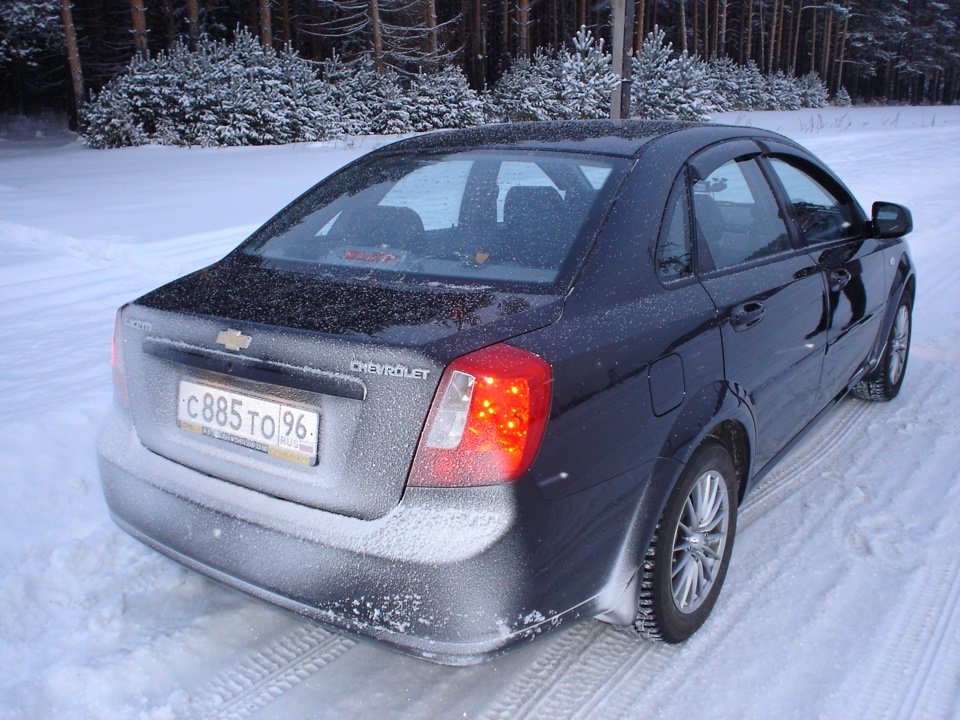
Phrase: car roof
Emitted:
{"points": [[609, 137]]}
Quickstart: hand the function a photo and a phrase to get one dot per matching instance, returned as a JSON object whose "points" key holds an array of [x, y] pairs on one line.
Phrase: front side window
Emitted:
{"points": [[737, 216], [480, 215], [821, 216]]}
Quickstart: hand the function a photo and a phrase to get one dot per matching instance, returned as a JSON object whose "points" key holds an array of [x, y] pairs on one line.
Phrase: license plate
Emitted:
{"points": [[284, 431]]}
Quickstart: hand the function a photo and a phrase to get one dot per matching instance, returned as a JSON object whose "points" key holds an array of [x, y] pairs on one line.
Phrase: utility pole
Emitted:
{"points": [[623, 17]]}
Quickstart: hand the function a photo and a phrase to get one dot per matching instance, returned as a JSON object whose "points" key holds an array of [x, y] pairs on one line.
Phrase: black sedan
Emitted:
{"points": [[478, 384]]}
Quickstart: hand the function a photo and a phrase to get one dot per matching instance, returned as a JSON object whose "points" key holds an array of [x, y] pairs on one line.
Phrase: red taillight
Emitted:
{"points": [[116, 362], [486, 421]]}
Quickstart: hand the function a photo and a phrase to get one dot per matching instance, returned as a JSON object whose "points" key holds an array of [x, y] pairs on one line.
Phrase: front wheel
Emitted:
{"points": [[884, 384], [688, 557]]}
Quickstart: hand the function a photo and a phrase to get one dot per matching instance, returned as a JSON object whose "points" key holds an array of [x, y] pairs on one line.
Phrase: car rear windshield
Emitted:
{"points": [[475, 217]]}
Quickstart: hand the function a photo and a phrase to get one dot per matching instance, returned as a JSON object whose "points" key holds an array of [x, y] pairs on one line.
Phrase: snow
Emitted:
{"points": [[843, 599]]}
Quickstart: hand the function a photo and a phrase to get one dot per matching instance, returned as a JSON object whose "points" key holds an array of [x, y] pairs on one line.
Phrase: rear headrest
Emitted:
{"points": [[532, 207], [380, 225]]}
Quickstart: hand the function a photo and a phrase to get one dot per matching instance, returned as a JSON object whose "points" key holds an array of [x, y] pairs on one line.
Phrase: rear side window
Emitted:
{"points": [[482, 216], [674, 248], [737, 216], [821, 215]]}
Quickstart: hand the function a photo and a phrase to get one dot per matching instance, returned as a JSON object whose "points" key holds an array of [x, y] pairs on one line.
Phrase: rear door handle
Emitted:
{"points": [[838, 279], [747, 315]]}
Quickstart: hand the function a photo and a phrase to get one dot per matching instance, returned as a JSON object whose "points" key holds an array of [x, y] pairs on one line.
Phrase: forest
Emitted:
{"points": [[56, 54]]}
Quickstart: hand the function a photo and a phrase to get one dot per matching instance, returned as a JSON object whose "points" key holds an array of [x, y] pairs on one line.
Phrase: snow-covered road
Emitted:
{"points": [[843, 599]]}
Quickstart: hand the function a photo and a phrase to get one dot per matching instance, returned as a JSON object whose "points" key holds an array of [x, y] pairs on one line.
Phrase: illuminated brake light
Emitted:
{"points": [[116, 362], [487, 420]]}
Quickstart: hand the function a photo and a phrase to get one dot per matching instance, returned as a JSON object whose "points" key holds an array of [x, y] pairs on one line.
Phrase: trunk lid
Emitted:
{"points": [[359, 363]]}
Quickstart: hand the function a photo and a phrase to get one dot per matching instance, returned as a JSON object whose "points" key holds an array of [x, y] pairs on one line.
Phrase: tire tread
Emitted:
{"points": [[647, 624]]}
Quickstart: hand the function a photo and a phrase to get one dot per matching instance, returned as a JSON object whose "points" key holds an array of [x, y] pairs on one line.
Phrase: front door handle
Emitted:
{"points": [[838, 279], [747, 315]]}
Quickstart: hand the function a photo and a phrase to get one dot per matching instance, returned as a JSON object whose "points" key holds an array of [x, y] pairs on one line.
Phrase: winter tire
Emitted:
{"points": [[884, 383], [688, 557]]}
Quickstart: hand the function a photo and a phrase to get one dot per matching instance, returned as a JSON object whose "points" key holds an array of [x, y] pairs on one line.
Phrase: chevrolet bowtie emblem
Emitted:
{"points": [[233, 339]]}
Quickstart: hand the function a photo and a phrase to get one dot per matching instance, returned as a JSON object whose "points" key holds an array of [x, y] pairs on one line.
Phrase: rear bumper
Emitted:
{"points": [[442, 576]]}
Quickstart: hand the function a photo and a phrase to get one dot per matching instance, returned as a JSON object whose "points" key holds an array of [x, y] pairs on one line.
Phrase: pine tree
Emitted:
{"points": [[813, 91], [443, 100], [691, 89], [367, 101], [722, 76], [238, 93], [782, 92], [651, 68], [587, 78], [842, 98], [529, 90], [32, 44], [393, 117], [667, 86], [743, 87]]}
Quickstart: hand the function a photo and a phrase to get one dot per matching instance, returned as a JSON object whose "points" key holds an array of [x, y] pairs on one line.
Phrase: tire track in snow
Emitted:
{"points": [[599, 663], [923, 696], [269, 672], [596, 668], [586, 669], [545, 671], [904, 681], [927, 625], [794, 471]]}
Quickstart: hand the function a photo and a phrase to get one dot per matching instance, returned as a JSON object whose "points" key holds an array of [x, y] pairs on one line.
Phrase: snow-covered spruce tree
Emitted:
{"points": [[113, 120], [722, 77], [237, 93], [529, 90], [783, 92], [354, 92], [813, 91], [667, 86], [651, 67], [443, 100], [842, 98], [394, 114], [586, 78], [691, 88], [367, 101], [746, 87]]}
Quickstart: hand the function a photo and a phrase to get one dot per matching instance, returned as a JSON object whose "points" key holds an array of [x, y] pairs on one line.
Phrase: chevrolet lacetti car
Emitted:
{"points": [[477, 384]]}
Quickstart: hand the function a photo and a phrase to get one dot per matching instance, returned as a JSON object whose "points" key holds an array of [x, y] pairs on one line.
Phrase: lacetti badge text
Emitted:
{"points": [[391, 370]]}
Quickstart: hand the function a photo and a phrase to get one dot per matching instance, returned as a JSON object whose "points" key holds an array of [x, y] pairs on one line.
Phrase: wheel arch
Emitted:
{"points": [[732, 434], [713, 412], [903, 284]]}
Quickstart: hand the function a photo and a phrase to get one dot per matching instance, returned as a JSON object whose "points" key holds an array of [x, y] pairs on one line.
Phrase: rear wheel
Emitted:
{"points": [[884, 384], [687, 560]]}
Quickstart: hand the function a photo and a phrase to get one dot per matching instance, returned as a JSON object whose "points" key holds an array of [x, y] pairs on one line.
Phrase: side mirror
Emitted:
{"points": [[891, 220]]}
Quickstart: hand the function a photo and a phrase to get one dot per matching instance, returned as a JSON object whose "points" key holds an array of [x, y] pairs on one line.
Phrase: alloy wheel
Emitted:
{"points": [[699, 541]]}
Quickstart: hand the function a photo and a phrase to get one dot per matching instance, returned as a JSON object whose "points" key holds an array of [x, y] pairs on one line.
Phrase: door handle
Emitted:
{"points": [[838, 279], [747, 315]]}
